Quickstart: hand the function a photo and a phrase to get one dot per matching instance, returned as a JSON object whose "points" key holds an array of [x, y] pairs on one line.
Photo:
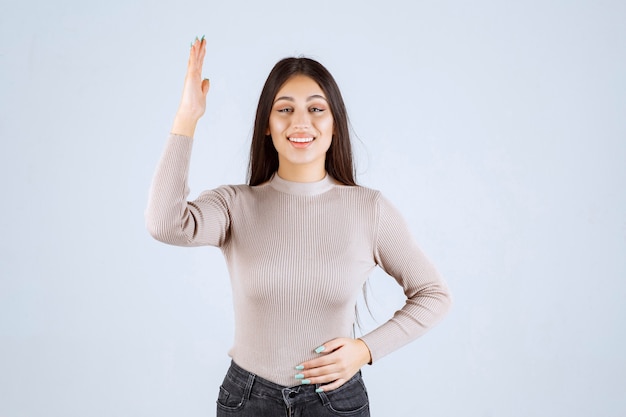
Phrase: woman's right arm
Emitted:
{"points": [[169, 217]]}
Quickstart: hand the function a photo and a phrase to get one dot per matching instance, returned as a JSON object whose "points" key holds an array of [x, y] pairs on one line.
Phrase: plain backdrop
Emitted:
{"points": [[496, 127]]}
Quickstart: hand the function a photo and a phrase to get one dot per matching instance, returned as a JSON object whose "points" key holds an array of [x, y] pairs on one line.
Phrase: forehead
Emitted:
{"points": [[300, 86]]}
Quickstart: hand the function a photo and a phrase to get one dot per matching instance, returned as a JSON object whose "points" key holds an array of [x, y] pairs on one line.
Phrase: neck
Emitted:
{"points": [[301, 173]]}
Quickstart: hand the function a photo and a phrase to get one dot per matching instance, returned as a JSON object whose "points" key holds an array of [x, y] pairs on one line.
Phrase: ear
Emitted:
{"points": [[267, 131]]}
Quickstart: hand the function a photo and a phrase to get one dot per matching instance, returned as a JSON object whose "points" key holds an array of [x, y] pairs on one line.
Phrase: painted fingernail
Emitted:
{"points": [[305, 382], [299, 367], [201, 39], [318, 390], [299, 376], [320, 349]]}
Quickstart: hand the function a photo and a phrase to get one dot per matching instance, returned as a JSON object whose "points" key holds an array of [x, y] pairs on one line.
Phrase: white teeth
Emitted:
{"points": [[301, 140]]}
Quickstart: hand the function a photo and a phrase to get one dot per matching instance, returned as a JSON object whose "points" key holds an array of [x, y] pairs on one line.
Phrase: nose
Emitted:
{"points": [[301, 120]]}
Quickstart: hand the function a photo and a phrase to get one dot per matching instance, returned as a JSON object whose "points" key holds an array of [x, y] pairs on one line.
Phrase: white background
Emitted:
{"points": [[496, 127]]}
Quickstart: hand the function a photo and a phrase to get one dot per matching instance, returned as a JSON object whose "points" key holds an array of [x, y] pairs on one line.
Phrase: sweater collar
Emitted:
{"points": [[302, 188]]}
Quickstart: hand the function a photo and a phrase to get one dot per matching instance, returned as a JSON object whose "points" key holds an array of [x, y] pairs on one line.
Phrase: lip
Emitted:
{"points": [[301, 145], [300, 137]]}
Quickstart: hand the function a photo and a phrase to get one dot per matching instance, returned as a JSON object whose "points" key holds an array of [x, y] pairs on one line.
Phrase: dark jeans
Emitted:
{"points": [[243, 394]]}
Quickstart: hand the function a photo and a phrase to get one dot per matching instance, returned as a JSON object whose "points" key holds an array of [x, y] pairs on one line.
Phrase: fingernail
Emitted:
{"points": [[196, 38], [299, 376], [305, 382], [299, 367], [320, 349], [202, 38], [318, 390]]}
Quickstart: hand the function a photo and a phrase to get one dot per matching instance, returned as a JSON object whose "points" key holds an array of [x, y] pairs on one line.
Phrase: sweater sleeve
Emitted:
{"points": [[170, 218], [427, 296]]}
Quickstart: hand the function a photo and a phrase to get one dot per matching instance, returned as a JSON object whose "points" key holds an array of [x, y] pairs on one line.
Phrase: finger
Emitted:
{"points": [[191, 63], [333, 385], [191, 57], [202, 49], [331, 345], [320, 371], [318, 362], [200, 53], [322, 379], [326, 350], [195, 61], [205, 86]]}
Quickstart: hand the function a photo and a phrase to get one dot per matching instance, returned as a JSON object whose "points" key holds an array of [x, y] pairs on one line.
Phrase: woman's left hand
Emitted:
{"points": [[341, 359]]}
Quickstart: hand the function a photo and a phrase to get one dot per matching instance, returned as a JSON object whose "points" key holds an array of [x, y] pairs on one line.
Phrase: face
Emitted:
{"points": [[301, 126]]}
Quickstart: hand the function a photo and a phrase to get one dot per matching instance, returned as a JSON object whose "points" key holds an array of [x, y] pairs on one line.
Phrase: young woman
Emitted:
{"points": [[300, 241]]}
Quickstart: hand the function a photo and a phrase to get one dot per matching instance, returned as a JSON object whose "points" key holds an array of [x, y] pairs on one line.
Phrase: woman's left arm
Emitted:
{"points": [[427, 301], [428, 298]]}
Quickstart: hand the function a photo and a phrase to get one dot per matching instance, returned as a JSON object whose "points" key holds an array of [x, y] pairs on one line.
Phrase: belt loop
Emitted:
{"points": [[248, 389], [323, 396]]}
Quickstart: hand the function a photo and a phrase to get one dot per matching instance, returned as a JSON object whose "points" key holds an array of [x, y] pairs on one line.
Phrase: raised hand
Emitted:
{"points": [[340, 359], [193, 101]]}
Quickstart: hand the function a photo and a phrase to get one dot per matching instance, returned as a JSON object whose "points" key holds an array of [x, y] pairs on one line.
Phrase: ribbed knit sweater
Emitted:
{"points": [[298, 255]]}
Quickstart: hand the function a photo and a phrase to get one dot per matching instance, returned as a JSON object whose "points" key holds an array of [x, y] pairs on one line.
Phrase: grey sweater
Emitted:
{"points": [[298, 255]]}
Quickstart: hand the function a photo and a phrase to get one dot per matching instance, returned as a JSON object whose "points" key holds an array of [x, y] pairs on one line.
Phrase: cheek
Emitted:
{"points": [[275, 126], [326, 125]]}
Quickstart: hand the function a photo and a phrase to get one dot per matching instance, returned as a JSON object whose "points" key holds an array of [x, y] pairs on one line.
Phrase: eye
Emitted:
{"points": [[285, 110], [316, 110]]}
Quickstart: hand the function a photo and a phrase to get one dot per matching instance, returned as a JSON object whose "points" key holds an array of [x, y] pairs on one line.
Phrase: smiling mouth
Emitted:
{"points": [[301, 140]]}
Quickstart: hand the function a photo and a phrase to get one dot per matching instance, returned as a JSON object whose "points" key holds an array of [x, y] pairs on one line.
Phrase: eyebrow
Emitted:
{"points": [[313, 97]]}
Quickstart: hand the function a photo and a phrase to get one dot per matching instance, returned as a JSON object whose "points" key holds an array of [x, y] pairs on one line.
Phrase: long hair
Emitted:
{"points": [[263, 162]]}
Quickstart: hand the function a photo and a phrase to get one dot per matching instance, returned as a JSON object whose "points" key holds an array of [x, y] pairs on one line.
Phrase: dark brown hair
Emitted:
{"points": [[263, 156]]}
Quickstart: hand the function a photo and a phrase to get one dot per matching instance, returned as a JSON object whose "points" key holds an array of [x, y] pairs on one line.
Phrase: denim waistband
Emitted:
{"points": [[256, 386]]}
